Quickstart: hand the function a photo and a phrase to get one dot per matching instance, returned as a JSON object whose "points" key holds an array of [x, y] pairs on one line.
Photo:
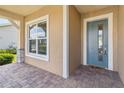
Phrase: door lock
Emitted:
{"points": [[105, 52]]}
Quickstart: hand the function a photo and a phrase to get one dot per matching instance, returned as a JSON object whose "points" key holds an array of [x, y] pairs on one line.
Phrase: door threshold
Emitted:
{"points": [[96, 67]]}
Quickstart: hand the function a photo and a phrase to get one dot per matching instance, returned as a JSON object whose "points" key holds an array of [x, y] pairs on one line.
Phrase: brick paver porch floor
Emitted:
{"points": [[24, 75]]}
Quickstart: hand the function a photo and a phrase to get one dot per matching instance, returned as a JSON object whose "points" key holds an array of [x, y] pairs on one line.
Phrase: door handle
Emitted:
{"points": [[105, 52]]}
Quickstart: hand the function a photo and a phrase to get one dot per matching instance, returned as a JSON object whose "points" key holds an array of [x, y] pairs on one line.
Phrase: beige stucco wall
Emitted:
{"points": [[121, 42], [74, 38], [109, 9], [55, 64]]}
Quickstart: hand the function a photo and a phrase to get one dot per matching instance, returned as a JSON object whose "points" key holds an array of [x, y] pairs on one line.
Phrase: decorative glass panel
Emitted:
{"points": [[32, 46], [42, 43], [41, 30], [32, 31], [100, 42]]}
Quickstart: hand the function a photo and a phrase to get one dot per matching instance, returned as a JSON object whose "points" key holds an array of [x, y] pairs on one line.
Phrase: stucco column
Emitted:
{"points": [[21, 43]]}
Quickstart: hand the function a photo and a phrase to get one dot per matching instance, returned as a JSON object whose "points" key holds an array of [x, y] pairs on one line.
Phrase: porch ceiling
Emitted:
{"points": [[21, 9], [89, 8], [28, 9]]}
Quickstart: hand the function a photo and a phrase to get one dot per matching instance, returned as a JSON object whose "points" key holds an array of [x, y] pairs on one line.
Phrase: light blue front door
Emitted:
{"points": [[97, 43]]}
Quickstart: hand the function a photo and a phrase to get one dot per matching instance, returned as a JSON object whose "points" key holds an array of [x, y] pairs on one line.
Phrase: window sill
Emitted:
{"points": [[39, 57]]}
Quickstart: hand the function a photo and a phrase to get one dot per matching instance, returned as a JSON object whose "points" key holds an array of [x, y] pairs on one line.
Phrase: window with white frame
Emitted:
{"points": [[38, 38]]}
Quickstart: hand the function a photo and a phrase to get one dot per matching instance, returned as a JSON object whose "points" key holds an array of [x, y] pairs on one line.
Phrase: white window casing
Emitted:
{"points": [[36, 55]]}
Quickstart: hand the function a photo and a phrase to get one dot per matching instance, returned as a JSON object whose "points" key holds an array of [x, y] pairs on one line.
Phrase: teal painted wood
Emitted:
{"points": [[94, 57]]}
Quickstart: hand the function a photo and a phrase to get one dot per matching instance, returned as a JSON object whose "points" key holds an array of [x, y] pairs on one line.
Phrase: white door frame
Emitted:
{"points": [[109, 16], [65, 41]]}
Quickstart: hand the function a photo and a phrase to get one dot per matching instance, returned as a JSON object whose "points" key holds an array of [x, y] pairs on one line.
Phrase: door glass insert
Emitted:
{"points": [[100, 42]]}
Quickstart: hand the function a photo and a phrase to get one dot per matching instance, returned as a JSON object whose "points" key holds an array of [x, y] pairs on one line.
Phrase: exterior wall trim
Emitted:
{"points": [[109, 16], [65, 41]]}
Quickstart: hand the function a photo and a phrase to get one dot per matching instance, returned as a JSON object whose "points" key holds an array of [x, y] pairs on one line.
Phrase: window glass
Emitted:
{"points": [[42, 46], [32, 31], [32, 46], [41, 30]]}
